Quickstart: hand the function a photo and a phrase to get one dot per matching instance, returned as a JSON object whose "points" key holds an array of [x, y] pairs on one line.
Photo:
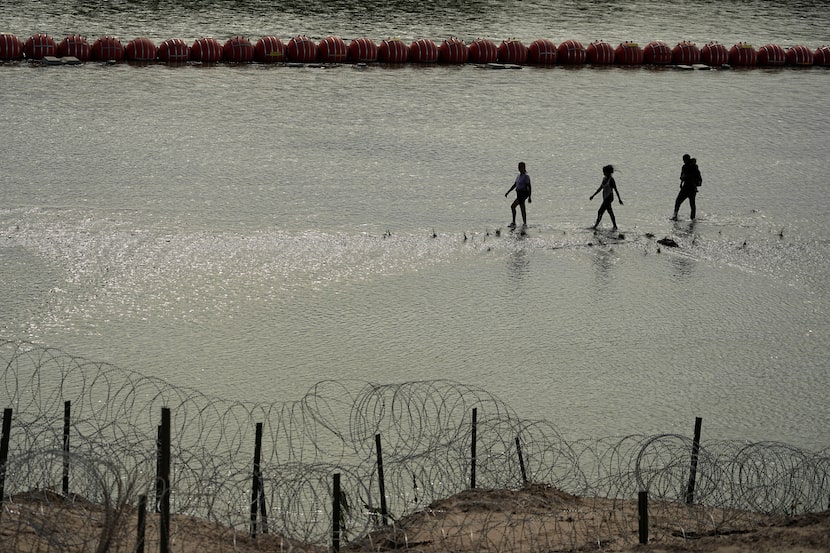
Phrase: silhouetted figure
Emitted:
{"points": [[608, 188], [690, 180], [522, 187]]}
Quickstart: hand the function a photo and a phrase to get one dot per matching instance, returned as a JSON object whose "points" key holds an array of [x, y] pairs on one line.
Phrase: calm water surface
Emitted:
{"points": [[253, 230]]}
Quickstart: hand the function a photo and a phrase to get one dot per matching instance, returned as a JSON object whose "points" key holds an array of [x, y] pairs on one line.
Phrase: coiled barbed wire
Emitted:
{"points": [[425, 431]]}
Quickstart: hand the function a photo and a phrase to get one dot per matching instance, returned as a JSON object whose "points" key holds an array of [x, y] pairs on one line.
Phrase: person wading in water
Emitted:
{"points": [[522, 187]]}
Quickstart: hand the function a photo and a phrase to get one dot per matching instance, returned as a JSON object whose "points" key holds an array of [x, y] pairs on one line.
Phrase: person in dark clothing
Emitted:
{"points": [[522, 187], [608, 188], [690, 180]]}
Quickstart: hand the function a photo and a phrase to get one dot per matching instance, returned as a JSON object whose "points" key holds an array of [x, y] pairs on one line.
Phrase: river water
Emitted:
{"points": [[252, 230]]}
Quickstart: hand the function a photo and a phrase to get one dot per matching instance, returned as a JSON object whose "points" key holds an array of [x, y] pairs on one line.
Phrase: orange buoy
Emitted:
{"points": [[571, 52], [363, 50], [822, 56], [799, 55], [629, 53], [483, 50], [714, 54], [238, 49], [423, 50], [206, 49], [512, 51], [772, 55], [600, 53], [743, 54], [685, 53], [39, 46], [107, 48], [332, 49], [11, 47], [542, 52], [393, 50], [657, 52], [75, 46], [301, 49], [453, 50], [174, 50], [140, 49], [269, 49]]}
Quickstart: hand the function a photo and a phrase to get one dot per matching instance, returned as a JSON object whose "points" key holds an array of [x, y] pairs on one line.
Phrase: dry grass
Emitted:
{"points": [[535, 519]]}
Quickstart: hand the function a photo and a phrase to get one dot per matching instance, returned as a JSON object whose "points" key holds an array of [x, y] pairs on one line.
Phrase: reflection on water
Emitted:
{"points": [[299, 224], [518, 265]]}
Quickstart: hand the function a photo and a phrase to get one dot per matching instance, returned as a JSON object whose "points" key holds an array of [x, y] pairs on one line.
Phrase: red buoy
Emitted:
{"points": [[571, 52], [629, 53], [393, 50], [140, 49], [771, 54], [453, 50], [269, 49], [174, 50], [483, 50], [363, 50], [332, 49], [685, 53], [75, 46], [206, 50], [423, 50], [301, 49], [39, 46], [107, 48], [714, 54], [11, 47], [238, 49], [822, 56], [513, 51], [600, 53], [541, 52], [657, 52], [799, 55], [742, 55]]}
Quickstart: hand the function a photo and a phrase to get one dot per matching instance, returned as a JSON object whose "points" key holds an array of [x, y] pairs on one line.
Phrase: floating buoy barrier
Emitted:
{"points": [[206, 49], [483, 50], [141, 49], [453, 51], [423, 50], [571, 52], [75, 46], [542, 52], [771, 55], [513, 51], [238, 49], [107, 48], [393, 50], [334, 50], [301, 49], [821, 56], [174, 50], [685, 53], [714, 54], [629, 53], [39, 46], [743, 55], [657, 52], [363, 50], [11, 48], [799, 55], [600, 53], [269, 49]]}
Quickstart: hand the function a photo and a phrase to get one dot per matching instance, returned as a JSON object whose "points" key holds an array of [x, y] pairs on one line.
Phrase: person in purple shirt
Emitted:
{"points": [[522, 187]]}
